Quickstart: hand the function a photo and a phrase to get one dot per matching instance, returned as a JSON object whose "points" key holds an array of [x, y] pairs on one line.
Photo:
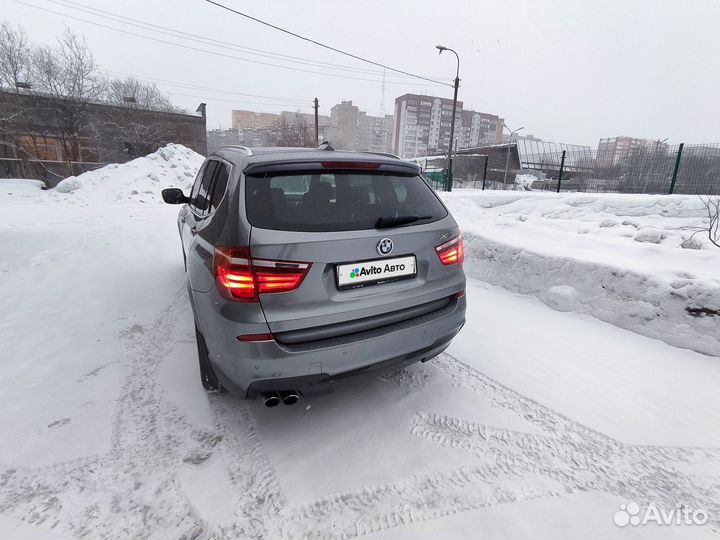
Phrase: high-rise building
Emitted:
{"points": [[254, 120], [344, 126], [374, 133], [422, 126], [478, 129], [613, 150]]}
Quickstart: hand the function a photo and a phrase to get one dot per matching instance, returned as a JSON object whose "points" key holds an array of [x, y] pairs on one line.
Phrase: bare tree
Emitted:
{"points": [[294, 133], [68, 74], [15, 56], [306, 134], [138, 135], [712, 205], [711, 229], [135, 94], [20, 135]]}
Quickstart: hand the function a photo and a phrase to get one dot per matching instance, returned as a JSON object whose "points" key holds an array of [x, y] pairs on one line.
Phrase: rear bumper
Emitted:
{"points": [[310, 385], [319, 366]]}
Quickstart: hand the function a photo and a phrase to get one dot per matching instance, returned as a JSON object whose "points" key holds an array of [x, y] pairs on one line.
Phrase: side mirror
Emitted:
{"points": [[174, 196]]}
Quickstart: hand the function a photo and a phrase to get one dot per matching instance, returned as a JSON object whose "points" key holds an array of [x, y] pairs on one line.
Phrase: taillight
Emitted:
{"points": [[452, 251], [240, 277]]}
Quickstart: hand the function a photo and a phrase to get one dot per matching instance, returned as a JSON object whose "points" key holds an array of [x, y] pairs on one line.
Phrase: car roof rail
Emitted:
{"points": [[325, 145]]}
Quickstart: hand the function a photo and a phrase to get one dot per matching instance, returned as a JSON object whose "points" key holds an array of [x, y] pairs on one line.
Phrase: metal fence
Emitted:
{"points": [[50, 172], [657, 168], [653, 167]]}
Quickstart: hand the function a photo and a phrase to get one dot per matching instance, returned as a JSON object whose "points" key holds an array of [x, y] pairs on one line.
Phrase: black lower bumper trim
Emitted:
{"points": [[323, 383]]}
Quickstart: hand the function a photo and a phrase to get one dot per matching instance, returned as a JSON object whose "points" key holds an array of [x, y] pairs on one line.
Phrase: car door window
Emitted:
{"points": [[196, 185], [202, 201], [219, 185]]}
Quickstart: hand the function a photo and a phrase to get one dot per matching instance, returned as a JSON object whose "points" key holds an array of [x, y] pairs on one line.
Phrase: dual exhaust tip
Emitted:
{"points": [[288, 397]]}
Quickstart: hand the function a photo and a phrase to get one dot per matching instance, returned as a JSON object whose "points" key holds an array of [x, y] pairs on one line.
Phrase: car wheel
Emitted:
{"points": [[208, 378]]}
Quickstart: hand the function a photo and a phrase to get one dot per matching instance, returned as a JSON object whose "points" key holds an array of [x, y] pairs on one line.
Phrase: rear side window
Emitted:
{"points": [[196, 185], [202, 201], [219, 185], [337, 201]]}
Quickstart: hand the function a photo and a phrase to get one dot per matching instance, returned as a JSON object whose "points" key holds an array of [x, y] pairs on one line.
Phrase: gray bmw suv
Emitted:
{"points": [[308, 266]]}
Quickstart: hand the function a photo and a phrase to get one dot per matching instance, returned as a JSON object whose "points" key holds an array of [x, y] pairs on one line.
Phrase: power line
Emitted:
{"points": [[206, 98], [321, 44], [208, 41], [210, 52], [204, 88]]}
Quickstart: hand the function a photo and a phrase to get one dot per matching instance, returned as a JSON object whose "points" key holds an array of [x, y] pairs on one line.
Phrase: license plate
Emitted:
{"points": [[359, 274]]}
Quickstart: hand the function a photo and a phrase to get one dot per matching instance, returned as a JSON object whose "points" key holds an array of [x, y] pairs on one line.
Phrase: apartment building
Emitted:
{"points": [[422, 126], [479, 129], [344, 126], [612, 151], [254, 120], [374, 133]]}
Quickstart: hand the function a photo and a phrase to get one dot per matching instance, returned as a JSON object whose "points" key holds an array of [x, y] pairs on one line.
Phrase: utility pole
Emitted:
{"points": [[316, 106], [449, 179]]}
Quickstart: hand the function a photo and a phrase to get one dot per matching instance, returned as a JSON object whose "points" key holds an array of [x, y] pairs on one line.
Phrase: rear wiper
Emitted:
{"points": [[396, 221]]}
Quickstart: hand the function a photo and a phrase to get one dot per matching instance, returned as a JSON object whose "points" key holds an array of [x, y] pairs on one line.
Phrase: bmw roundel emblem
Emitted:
{"points": [[385, 246]]}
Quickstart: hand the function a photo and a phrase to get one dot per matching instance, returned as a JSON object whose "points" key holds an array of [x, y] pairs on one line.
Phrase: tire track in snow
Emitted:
{"points": [[133, 489], [568, 457], [258, 498]]}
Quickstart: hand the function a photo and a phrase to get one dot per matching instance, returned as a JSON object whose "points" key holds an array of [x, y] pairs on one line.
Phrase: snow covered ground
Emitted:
{"points": [[538, 422], [619, 258]]}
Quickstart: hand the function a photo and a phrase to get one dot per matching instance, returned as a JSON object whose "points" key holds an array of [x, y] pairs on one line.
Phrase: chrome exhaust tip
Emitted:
{"points": [[290, 397], [270, 399]]}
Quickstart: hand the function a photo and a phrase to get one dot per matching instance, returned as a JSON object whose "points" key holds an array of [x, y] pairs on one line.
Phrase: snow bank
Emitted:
{"points": [[21, 190], [140, 180], [616, 257]]}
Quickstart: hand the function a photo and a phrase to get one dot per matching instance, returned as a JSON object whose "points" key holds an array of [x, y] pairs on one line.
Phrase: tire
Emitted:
{"points": [[208, 378]]}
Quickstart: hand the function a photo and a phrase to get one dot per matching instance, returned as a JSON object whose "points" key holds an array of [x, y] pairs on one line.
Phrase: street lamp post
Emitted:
{"points": [[507, 155], [448, 180]]}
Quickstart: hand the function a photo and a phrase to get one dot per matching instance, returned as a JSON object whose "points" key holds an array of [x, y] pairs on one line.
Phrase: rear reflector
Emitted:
{"points": [[255, 337], [452, 251], [241, 278], [350, 165]]}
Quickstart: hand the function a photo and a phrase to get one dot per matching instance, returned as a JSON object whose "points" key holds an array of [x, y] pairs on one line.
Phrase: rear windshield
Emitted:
{"points": [[338, 201]]}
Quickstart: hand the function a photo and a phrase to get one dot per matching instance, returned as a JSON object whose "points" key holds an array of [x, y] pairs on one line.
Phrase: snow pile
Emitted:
{"points": [[524, 182], [620, 258], [140, 180]]}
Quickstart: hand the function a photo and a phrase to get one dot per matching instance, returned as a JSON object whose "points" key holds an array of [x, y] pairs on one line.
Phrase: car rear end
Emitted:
{"points": [[343, 264]]}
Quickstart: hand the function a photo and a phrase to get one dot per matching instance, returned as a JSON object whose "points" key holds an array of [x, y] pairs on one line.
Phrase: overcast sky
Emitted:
{"points": [[569, 72]]}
